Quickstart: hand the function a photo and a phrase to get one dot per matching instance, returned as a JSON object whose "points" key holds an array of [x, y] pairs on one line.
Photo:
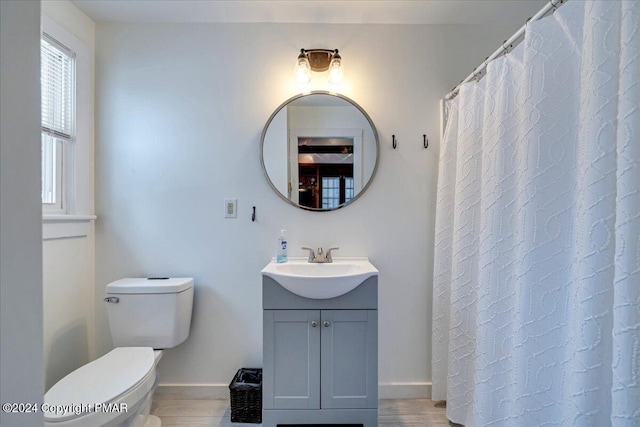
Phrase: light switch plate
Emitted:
{"points": [[230, 208]]}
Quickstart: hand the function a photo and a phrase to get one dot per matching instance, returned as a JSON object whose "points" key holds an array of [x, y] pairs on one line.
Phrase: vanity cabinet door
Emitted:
{"points": [[291, 372], [349, 350]]}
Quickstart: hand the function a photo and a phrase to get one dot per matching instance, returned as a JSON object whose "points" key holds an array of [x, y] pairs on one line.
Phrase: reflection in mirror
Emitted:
{"points": [[319, 151]]}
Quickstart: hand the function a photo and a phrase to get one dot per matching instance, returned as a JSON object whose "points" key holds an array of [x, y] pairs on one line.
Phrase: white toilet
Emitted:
{"points": [[145, 317]]}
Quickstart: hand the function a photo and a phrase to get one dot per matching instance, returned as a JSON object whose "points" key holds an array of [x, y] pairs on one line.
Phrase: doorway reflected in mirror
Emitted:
{"points": [[319, 151]]}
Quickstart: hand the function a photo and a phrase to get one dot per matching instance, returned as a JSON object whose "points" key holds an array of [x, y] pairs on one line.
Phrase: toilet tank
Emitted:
{"points": [[150, 312]]}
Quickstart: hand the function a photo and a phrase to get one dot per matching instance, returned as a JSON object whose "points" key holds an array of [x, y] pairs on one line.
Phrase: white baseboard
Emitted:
{"points": [[221, 391], [404, 390], [191, 391]]}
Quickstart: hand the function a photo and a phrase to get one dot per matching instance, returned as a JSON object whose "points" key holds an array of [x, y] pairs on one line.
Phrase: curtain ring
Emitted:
{"points": [[505, 50], [553, 6]]}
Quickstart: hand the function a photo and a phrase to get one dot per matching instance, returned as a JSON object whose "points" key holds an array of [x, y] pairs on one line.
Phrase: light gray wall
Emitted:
{"points": [[21, 372], [276, 152], [180, 110], [68, 294]]}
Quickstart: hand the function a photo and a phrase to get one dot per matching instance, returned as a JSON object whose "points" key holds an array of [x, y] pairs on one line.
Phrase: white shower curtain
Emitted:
{"points": [[537, 260]]}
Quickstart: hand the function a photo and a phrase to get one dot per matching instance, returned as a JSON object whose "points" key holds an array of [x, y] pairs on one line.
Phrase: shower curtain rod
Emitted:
{"points": [[477, 72]]}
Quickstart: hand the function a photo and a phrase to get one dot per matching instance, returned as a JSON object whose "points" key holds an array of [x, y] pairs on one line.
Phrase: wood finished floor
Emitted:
{"points": [[216, 413]]}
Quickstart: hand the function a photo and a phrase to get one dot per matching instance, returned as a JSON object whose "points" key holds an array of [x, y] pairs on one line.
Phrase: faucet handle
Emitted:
{"points": [[320, 252], [328, 255], [312, 254]]}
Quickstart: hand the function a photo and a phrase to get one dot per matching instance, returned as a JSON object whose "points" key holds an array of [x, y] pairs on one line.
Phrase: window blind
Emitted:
{"points": [[57, 81]]}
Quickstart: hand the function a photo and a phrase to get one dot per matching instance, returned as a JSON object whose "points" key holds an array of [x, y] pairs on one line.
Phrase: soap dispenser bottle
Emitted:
{"points": [[282, 248]]}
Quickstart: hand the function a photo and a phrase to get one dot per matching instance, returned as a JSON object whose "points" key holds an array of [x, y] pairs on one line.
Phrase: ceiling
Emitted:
{"points": [[312, 11]]}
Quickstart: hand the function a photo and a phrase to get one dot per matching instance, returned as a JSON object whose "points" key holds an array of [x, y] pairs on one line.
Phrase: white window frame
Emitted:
{"points": [[74, 216], [63, 148]]}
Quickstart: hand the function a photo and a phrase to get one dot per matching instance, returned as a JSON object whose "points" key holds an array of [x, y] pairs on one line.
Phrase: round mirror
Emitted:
{"points": [[319, 151]]}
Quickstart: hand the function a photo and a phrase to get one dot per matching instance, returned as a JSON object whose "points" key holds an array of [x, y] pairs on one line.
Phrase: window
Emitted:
{"points": [[336, 191], [67, 62], [57, 79], [330, 192], [348, 189]]}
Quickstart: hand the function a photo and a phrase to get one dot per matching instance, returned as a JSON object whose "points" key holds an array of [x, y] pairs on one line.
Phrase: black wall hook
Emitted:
{"points": [[393, 141], [425, 141], [253, 215]]}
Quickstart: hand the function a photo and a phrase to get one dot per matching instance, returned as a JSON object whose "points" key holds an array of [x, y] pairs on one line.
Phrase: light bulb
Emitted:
{"points": [[303, 68], [335, 74], [335, 68]]}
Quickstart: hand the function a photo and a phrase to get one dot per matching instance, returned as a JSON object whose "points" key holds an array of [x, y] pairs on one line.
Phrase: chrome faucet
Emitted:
{"points": [[320, 256]]}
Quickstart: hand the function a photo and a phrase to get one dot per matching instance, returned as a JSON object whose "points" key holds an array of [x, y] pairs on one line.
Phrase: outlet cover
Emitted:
{"points": [[231, 208]]}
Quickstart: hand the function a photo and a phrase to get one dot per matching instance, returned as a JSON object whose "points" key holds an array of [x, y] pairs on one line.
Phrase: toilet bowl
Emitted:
{"points": [[117, 389], [114, 390]]}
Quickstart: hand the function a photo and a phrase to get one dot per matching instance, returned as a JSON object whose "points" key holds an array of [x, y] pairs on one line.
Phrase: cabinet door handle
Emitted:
{"points": [[314, 323], [326, 323]]}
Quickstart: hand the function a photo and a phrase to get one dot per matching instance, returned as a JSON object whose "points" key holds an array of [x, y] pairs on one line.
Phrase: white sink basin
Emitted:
{"points": [[320, 281]]}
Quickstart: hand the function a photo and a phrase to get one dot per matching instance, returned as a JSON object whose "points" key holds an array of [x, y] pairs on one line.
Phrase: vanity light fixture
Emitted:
{"points": [[318, 60]]}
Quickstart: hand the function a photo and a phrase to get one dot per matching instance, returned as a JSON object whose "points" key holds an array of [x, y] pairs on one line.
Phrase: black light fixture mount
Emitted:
{"points": [[318, 60]]}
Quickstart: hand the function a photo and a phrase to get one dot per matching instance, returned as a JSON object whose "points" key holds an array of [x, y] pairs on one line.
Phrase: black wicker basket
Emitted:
{"points": [[246, 396]]}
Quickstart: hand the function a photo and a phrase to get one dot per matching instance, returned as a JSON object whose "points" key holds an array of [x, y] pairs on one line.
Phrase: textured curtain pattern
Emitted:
{"points": [[537, 262]]}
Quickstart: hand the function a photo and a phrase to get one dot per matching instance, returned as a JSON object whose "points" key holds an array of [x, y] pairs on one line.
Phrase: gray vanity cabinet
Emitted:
{"points": [[349, 342], [320, 357], [291, 360]]}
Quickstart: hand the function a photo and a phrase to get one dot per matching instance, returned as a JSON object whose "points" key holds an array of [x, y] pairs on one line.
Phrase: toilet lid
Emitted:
{"points": [[100, 381], [156, 285]]}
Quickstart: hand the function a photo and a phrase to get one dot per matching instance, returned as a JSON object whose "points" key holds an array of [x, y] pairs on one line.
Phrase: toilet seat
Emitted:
{"points": [[125, 375]]}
